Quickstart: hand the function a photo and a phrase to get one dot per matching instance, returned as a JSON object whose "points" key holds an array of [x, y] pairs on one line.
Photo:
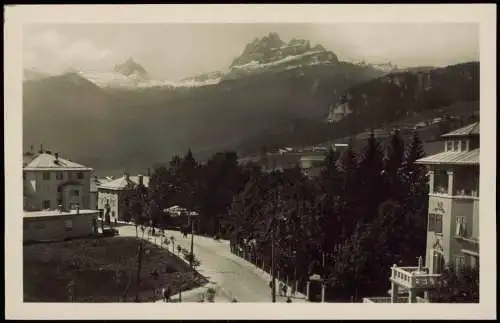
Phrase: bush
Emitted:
{"points": [[188, 256], [210, 294]]}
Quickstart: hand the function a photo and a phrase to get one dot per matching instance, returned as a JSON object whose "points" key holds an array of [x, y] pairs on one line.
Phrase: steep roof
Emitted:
{"points": [[96, 182], [453, 157], [472, 129], [122, 183], [46, 161]]}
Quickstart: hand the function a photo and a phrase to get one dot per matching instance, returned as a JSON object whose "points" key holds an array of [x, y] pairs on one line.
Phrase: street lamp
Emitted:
{"points": [[192, 214]]}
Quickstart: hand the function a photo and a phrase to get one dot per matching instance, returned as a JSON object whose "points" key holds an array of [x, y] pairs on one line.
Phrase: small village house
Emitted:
{"points": [[112, 195]]}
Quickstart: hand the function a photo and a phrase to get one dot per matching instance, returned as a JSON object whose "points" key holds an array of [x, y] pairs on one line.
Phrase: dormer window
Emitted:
{"points": [[449, 145], [463, 145]]}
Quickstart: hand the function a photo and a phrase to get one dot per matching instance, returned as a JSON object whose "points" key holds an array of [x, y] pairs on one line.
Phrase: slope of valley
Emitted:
{"points": [[274, 96]]}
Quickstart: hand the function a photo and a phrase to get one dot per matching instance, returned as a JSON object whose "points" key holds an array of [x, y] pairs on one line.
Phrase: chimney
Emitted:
{"points": [[127, 177], [140, 179], [41, 149], [56, 155]]}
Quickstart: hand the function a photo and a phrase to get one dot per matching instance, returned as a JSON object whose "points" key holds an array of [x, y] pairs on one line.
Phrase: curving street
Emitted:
{"points": [[236, 277]]}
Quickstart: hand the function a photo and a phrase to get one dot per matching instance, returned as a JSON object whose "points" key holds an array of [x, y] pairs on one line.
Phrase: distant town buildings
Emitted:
{"points": [[112, 195], [453, 217]]}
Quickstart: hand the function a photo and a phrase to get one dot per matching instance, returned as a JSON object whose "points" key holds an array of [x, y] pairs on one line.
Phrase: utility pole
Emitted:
{"points": [[191, 258], [138, 278], [273, 266]]}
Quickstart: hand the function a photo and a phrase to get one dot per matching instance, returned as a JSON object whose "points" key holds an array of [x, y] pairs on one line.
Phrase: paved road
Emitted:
{"points": [[235, 276]]}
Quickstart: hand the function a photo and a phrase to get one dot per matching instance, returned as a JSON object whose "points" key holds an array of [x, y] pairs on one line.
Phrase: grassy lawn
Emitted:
{"points": [[92, 265]]}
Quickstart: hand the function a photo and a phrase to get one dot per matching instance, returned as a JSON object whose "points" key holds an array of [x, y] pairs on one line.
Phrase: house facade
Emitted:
{"points": [[453, 230], [50, 181], [57, 225], [112, 195], [453, 217]]}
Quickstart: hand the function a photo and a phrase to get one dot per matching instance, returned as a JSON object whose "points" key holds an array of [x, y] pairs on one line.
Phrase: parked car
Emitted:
{"points": [[110, 232]]}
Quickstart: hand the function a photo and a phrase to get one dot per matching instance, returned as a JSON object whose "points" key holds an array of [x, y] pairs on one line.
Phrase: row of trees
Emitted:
{"points": [[361, 215], [206, 188]]}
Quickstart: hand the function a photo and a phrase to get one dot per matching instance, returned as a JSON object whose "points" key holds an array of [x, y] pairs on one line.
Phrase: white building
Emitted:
{"points": [[112, 195], [49, 181]]}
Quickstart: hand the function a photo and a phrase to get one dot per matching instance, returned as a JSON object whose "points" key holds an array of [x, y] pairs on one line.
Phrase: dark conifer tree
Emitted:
{"points": [[372, 190], [393, 163]]}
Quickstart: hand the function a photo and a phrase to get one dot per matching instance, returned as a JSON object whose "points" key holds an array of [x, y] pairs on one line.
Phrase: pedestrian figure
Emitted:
{"points": [[288, 300], [166, 294], [281, 289], [284, 288]]}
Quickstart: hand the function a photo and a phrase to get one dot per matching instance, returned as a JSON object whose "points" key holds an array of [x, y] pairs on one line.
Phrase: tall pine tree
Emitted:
{"points": [[393, 163], [348, 201], [416, 201], [371, 189]]}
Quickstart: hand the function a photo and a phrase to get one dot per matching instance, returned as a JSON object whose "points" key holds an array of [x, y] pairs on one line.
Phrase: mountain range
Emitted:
{"points": [[124, 119]]}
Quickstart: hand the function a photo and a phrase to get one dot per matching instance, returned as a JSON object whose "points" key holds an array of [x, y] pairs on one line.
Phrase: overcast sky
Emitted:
{"points": [[174, 51]]}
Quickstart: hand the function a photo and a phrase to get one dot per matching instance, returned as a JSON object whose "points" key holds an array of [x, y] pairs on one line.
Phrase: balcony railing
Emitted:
{"points": [[413, 277]]}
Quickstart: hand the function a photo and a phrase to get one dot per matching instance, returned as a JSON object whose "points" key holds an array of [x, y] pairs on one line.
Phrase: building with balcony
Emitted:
{"points": [[453, 223], [453, 216], [50, 181]]}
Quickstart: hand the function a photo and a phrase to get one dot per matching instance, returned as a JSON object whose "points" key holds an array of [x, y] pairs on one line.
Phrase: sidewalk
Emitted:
{"points": [[298, 297]]}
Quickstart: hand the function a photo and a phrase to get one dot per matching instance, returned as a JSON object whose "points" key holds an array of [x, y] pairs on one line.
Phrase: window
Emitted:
{"points": [[438, 263], [459, 262], [449, 145], [473, 261], [435, 223], [455, 145], [68, 225], [441, 181], [79, 175], [59, 176], [75, 193], [463, 145], [461, 226], [59, 189], [46, 176], [46, 204]]}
